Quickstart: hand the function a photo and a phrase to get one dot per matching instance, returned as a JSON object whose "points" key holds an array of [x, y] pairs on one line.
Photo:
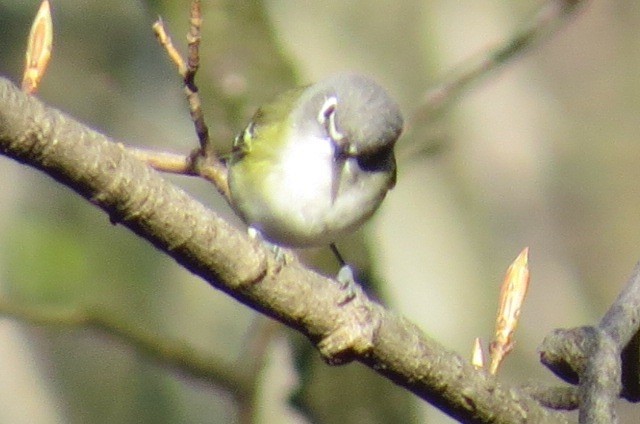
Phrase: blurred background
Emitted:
{"points": [[542, 153]]}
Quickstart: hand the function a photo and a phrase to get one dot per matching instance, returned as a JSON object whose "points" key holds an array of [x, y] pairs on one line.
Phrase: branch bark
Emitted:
{"points": [[603, 359], [137, 197]]}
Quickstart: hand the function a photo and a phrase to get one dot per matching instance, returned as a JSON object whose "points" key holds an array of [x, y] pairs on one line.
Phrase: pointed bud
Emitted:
{"points": [[512, 295], [38, 49], [477, 355]]}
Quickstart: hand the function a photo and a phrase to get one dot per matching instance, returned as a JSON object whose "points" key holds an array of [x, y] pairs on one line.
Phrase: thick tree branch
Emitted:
{"points": [[137, 197]]}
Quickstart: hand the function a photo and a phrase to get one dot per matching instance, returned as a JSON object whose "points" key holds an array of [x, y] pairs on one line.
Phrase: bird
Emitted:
{"points": [[315, 163]]}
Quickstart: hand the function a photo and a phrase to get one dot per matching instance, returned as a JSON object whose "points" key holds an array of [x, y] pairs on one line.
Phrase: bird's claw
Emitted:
{"points": [[277, 251], [347, 284]]}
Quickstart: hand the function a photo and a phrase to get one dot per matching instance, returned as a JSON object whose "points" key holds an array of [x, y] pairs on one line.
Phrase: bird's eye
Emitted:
{"points": [[327, 118]]}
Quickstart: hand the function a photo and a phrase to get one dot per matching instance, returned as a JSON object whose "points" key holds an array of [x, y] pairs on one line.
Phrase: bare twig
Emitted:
{"points": [[591, 356], [193, 63], [194, 37], [600, 379], [175, 354], [459, 80], [204, 160], [172, 163], [623, 317], [560, 398], [165, 41], [549, 18]]}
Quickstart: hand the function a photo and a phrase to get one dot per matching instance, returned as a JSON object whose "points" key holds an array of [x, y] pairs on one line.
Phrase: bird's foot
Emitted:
{"points": [[277, 251], [347, 284]]}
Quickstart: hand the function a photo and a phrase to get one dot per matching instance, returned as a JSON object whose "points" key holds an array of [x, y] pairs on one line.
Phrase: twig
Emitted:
{"points": [[623, 317], [202, 161], [175, 163], [600, 379], [165, 41], [592, 356], [193, 39], [172, 163], [564, 398], [175, 354], [551, 16], [193, 63], [548, 19]]}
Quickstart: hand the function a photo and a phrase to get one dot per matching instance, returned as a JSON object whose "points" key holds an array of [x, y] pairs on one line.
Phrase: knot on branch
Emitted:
{"points": [[354, 331]]}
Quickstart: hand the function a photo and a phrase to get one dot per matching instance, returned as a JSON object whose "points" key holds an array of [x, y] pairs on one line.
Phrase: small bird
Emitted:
{"points": [[316, 163]]}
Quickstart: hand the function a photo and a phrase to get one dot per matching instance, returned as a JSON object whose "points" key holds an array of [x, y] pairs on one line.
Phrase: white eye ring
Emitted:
{"points": [[326, 117]]}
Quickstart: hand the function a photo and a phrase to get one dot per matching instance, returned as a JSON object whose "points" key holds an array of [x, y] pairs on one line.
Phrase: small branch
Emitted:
{"points": [[194, 37], [564, 398], [600, 380], [204, 160], [172, 163], [193, 63], [165, 41], [175, 354], [623, 317], [175, 163], [592, 356], [547, 20]]}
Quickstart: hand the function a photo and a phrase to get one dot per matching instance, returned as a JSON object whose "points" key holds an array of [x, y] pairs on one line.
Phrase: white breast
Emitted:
{"points": [[302, 182], [314, 200]]}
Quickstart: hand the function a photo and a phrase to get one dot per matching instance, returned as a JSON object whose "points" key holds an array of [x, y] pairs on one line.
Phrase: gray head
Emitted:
{"points": [[354, 111]]}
